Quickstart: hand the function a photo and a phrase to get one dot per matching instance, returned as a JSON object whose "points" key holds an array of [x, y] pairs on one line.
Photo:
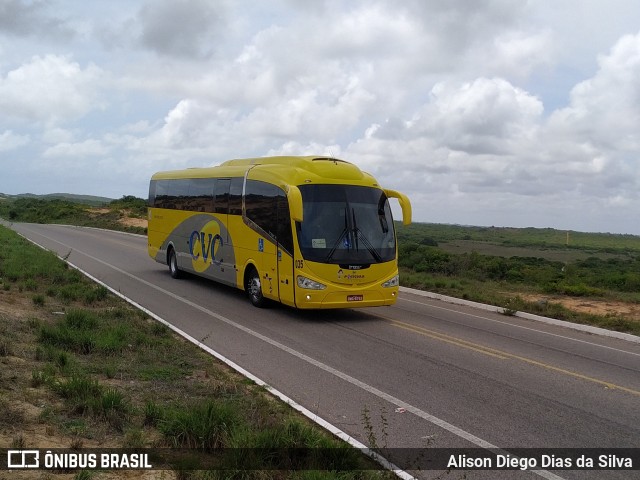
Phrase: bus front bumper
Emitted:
{"points": [[318, 299]]}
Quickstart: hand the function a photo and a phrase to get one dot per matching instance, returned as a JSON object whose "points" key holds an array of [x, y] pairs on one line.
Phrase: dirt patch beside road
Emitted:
{"points": [[124, 216], [630, 311]]}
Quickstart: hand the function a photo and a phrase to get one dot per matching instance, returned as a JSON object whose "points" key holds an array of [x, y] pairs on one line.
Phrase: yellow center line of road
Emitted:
{"points": [[447, 338], [501, 354]]}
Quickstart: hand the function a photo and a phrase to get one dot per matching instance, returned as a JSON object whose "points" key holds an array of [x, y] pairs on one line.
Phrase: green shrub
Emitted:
{"points": [[110, 402], [38, 300], [80, 392], [67, 338], [152, 413], [80, 319], [96, 294], [206, 425]]}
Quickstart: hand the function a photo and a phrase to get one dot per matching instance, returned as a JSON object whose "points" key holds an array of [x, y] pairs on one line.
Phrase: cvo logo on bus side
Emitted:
{"points": [[207, 246]]}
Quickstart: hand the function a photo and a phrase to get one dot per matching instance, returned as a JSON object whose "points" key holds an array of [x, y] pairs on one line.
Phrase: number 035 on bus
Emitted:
{"points": [[310, 232]]}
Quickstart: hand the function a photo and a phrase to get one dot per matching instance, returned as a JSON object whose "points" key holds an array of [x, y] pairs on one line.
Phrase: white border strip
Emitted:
{"points": [[292, 403], [529, 316]]}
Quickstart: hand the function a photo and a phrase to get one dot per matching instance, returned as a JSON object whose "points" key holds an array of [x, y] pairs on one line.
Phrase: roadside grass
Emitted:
{"points": [[90, 371], [555, 253], [541, 271], [546, 277]]}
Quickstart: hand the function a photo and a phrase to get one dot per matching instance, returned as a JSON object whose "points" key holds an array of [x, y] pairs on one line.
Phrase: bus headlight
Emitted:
{"points": [[392, 282], [304, 282]]}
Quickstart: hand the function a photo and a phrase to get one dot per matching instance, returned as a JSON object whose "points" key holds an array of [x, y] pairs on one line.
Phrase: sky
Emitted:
{"points": [[487, 112]]}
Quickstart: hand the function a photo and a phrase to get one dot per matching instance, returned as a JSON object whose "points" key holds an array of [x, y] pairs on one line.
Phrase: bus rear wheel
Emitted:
{"points": [[253, 288], [174, 271]]}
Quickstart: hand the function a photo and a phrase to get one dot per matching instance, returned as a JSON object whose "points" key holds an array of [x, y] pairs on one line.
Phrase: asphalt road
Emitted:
{"points": [[424, 372]]}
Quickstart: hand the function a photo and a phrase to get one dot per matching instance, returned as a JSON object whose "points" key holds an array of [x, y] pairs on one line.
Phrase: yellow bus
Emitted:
{"points": [[309, 232]]}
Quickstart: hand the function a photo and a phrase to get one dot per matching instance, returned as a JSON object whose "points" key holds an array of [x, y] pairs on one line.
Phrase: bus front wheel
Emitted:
{"points": [[253, 288]]}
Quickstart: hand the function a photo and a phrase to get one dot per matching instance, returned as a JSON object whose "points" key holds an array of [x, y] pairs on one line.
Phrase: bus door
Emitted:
{"points": [[267, 213], [285, 251], [277, 262]]}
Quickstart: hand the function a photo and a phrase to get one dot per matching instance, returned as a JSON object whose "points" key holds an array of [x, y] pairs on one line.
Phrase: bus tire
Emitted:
{"points": [[172, 261], [253, 288]]}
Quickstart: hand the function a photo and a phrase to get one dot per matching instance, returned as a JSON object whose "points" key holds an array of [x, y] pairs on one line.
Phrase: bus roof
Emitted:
{"points": [[283, 170]]}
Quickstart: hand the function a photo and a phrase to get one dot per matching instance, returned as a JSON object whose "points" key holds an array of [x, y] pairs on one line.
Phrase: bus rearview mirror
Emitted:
{"points": [[404, 202], [295, 203]]}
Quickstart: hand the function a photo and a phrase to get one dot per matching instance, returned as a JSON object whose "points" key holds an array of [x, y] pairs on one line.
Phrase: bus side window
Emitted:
{"points": [[161, 194], [235, 196], [152, 193], [178, 194], [261, 206], [200, 195], [222, 195], [285, 237]]}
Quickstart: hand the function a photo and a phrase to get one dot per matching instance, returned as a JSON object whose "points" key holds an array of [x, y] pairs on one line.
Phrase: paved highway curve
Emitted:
{"points": [[427, 373]]}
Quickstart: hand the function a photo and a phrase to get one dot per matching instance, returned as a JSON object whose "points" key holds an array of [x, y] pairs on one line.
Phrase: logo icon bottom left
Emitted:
{"points": [[23, 459]]}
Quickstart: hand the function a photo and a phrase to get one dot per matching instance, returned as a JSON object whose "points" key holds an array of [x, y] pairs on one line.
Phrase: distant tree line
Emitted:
{"points": [[592, 276]]}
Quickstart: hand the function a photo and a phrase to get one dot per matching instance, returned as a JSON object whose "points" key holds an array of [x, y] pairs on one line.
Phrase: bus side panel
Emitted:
{"points": [[269, 271], [244, 240], [200, 241], [286, 264], [157, 232], [210, 253], [251, 248], [286, 278]]}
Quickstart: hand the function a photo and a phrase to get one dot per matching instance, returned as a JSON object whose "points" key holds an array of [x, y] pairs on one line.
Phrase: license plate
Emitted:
{"points": [[355, 298]]}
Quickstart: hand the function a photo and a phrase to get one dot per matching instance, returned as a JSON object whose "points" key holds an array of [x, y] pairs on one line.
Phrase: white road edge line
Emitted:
{"points": [[510, 324], [292, 403], [457, 431], [528, 316]]}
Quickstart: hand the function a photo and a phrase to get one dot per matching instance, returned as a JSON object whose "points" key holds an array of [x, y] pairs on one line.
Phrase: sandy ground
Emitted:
{"points": [[630, 311], [134, 222], [125, 220]]}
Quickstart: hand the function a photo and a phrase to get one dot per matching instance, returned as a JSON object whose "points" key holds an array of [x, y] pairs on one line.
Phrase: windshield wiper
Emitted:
{"points": [[345, 232], [382, 217], [355, 228], [358, 233]]}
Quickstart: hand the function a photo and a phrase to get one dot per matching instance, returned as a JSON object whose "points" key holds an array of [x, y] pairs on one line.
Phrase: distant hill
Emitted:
{"points": [[84, 199], [128, 213]]}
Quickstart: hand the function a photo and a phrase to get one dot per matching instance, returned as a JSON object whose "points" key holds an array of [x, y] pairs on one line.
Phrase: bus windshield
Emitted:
{"points": [[346, 224]]}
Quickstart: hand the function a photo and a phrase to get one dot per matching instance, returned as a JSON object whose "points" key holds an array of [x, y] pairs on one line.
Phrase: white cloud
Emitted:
{"points": [[518, 54], [57, 135], [11, 141], [50, 89], [88, 148], [605, 109], [24, 19], [181, 28], [593, 145], [472, 134], [495, 112], [486, 116], [487, 149], [296, 148]]}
